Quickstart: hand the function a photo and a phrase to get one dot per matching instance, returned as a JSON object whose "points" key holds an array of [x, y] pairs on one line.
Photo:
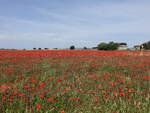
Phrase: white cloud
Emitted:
{"points": [[83, 24]]}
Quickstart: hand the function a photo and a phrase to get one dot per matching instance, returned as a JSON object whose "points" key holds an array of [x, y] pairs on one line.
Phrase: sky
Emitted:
{"points": [[62, 23]]}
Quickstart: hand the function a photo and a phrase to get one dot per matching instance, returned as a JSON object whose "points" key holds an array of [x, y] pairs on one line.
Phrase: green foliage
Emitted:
{"points": [[146, 45], [72, 47], [46, 48], [84, 47], [102, 46], [108, 46], [123, 43]]}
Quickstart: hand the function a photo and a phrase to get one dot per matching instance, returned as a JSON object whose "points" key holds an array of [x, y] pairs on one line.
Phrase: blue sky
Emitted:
{"points": [[61, 23]]}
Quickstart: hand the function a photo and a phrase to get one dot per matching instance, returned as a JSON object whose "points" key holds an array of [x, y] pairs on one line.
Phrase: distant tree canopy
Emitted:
{"points": [[46, 48], [72, 47], [108, 46], [122, 43], [147, 45], [84, 47]]}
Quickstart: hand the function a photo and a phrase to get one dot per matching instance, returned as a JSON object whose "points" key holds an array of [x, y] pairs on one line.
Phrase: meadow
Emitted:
{"points": [[74, 81]]}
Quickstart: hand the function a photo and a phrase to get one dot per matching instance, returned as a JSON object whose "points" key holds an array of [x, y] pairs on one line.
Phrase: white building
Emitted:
{"points": [[122, 47]]}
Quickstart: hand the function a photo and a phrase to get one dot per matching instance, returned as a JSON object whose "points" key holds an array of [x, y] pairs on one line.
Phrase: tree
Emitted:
{"points": [[84, 47], [112, 46], [146, 45], [103, 46], [72, 47], [122, 43], [108, 46]]}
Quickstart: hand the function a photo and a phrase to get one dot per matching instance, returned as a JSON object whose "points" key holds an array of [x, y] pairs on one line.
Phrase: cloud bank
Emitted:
{"points": [[63, 23]]}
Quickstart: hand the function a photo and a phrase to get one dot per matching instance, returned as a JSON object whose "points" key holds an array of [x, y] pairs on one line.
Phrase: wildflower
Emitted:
{"points": [[21, 95], [129, 96], [122, 94], [116, 95], [120, 89], [66, 89], [11, 98], [59, 80], [33, 81], [146, 78], [49, 99], [38, 106], [105, 96], [50, 78]]}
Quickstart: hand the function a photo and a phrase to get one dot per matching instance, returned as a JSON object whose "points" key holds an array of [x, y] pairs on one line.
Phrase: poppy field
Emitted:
{"points": [[74, 81]]}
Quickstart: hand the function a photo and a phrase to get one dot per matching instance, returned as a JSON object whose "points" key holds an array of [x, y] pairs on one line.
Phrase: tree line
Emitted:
{"points": [[101, 46], [146, 45]]}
